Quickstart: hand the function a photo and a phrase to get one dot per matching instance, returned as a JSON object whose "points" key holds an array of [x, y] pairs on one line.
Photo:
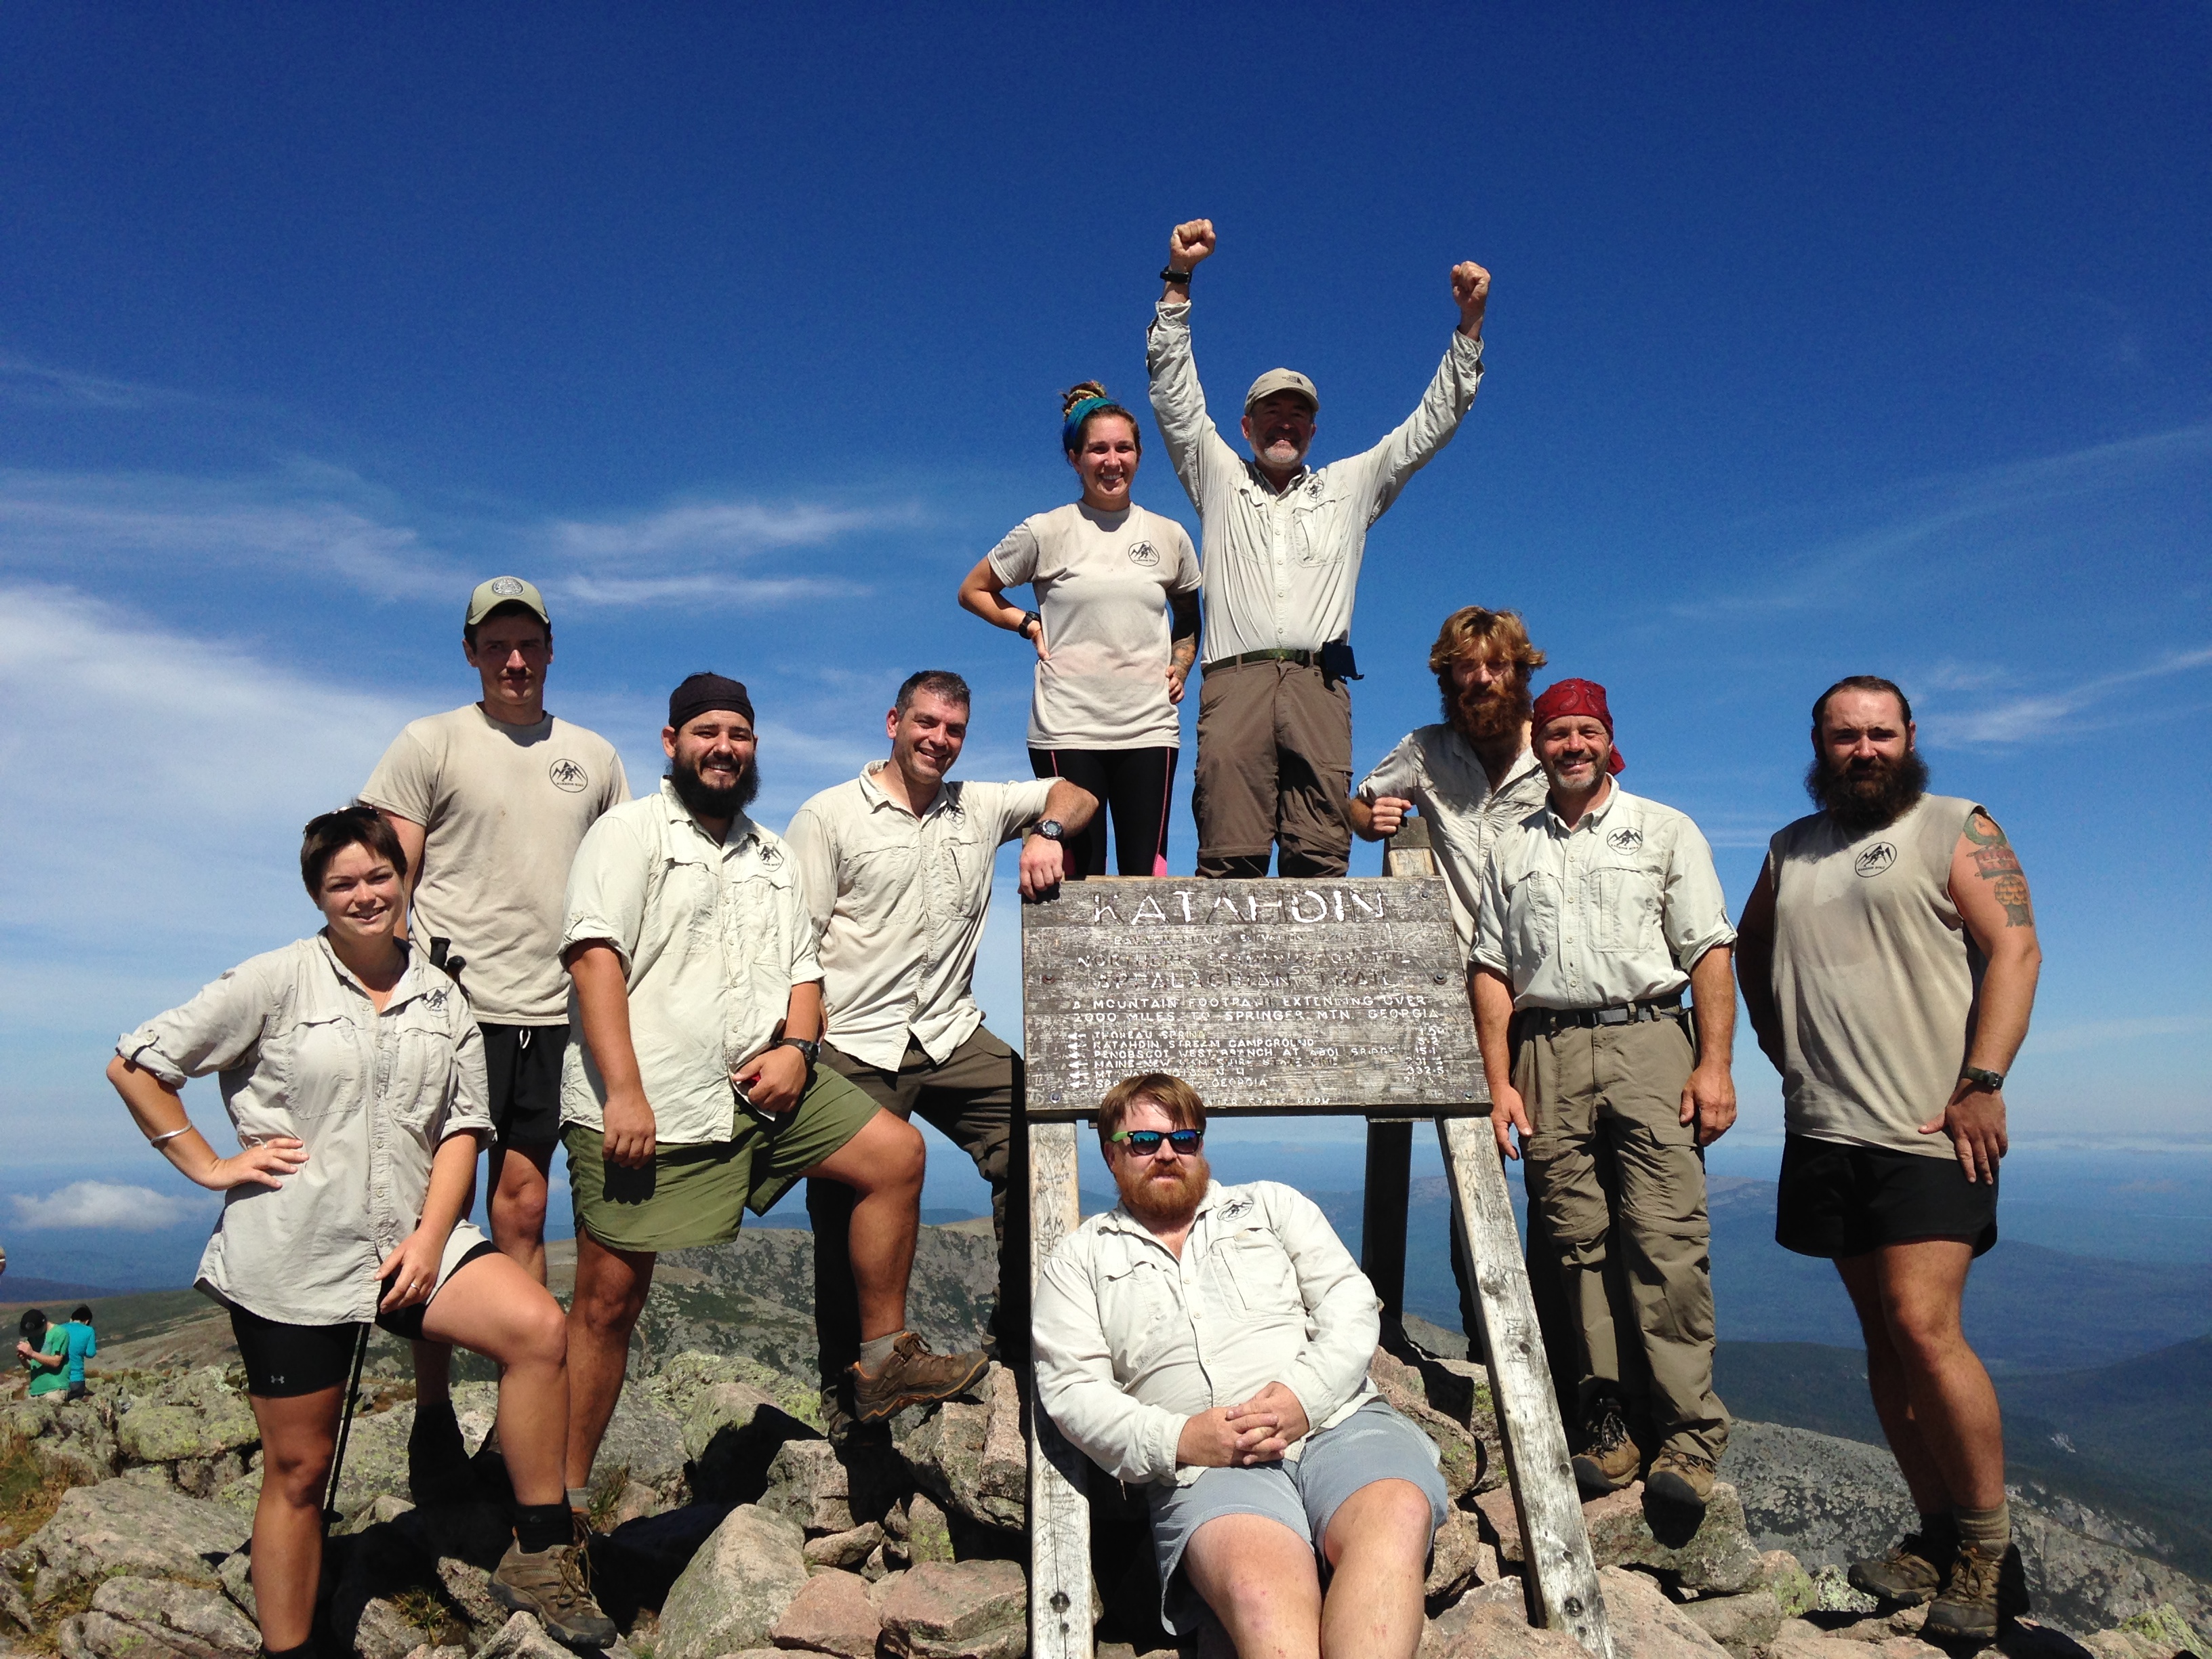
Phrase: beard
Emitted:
{"points": [[705, 800], [1489, 715], [1162, 1202], [1864, 795]]}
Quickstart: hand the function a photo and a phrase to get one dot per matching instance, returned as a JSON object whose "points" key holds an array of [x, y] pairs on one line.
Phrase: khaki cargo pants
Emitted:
{"points": [[1613, 1169], [970, 1099], [1275, 767]]}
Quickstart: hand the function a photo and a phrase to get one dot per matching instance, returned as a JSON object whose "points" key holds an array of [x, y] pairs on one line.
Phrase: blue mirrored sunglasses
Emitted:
{"points": [[1146, 1142]]}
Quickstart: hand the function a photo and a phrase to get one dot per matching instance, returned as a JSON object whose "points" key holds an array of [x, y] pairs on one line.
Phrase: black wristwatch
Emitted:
{"points": [[811, 1049], [1029, 617], [1180, 278], [1050, 829], [1982, 1078]]}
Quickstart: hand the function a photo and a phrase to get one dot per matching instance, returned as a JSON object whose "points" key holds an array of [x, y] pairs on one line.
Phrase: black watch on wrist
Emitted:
{"points": [[1050, 829], [1982, 1078], [1180, 278], [810, 1049], [1029, 618]]}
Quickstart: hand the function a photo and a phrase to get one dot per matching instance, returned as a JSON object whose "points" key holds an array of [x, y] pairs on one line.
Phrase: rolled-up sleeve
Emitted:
{"points": [[1340, 1304], [1490, 921], [1694, 909], [1014, 560], [468, 1103], [1128, 1439], [1421, 435], [606, 890], [1194, 446], [215, 1031], [1398, 775], [1021, 804]]}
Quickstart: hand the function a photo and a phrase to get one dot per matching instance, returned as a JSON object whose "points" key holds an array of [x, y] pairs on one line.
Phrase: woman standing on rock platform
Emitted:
{"points": [[1115, 630], [354, 1073]]}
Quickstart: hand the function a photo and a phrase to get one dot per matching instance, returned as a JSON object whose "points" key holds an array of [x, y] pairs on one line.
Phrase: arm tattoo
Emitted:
{"points": [[1995, 862]]}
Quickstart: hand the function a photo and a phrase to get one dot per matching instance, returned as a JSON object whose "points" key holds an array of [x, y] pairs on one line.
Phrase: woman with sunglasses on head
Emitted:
{"points": [[353, 1072], [1116, 631]]}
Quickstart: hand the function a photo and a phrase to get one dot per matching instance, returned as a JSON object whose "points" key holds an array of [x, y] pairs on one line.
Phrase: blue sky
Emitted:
{"points": [[1823, 340]]}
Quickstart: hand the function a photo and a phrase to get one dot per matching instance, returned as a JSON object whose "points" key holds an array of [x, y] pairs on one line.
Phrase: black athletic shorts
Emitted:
{"points": [[1841, 1201], [283, 1360], [522, 1068]]}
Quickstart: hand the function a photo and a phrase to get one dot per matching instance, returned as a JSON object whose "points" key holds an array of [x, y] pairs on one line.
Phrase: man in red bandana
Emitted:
{"points": [[1597, 911]]}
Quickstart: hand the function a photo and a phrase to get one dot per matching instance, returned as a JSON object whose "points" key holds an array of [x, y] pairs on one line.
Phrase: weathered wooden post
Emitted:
{"points": [[1276, 997]]}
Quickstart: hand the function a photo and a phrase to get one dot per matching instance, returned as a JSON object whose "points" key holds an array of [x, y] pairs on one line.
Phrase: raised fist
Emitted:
{"points": [[1470, 285], [1189, 243]]}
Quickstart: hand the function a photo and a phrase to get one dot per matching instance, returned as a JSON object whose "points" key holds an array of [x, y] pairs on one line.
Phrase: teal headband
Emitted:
{"points": [[1070, 429]]}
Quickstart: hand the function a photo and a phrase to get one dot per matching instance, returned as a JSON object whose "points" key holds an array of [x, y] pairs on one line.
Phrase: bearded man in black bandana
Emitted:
{"points": [[1889, 961]]}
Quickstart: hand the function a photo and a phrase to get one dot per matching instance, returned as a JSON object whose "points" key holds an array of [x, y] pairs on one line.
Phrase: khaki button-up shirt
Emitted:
{"points": [[1279, 569], [302, 1051], [1132, 1341], [898, 904], [713, 936], [1617, 909], [1438, 770]]}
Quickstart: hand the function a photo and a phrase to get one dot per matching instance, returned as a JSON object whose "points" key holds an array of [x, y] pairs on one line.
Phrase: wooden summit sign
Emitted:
{"points": [[1267, 996]]}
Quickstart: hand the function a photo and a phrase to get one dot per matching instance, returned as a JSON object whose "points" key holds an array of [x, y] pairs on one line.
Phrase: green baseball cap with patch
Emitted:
{"points": [[504, 590]]}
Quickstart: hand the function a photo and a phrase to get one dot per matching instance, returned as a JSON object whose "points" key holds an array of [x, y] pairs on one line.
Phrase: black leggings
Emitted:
{"points": [[1137, 784]]}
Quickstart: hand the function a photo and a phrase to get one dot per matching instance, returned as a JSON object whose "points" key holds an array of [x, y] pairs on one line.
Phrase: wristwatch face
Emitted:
{"points": [[1049, 830]]}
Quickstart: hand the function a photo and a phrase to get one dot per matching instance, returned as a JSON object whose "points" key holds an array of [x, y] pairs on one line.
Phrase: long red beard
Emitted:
{"points": [[1151, 1201], [1489, 717]]}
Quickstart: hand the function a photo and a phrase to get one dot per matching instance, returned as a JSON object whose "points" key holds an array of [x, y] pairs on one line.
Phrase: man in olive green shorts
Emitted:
{"points": [[689, 1091]]}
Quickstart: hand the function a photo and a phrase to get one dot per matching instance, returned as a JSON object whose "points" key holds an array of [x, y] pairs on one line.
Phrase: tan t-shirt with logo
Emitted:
{"points": [[504, 808], [1102, 581]]}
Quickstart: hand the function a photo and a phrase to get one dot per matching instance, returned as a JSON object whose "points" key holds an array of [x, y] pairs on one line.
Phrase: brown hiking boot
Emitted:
{"points": [[1912, 1572], [1967, 1610], [912, 1376], [549, 1584], [1681, 1479], [1611, 1459]]}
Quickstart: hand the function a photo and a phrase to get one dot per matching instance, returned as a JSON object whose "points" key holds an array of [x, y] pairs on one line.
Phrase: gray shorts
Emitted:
{"points": [[1374, 1443]]}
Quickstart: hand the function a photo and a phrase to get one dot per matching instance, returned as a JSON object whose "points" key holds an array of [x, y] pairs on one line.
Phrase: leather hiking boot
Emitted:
{"points": [[549, 1585], [1967, 1610], [1681, 1479], [913, 1376], [1912, 1573], [1611, 1460]]}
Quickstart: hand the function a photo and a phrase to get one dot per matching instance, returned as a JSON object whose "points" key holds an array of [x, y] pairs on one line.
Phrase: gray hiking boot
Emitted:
{"points": [[1912, 1572], [550, 1585], [913, 1376]]}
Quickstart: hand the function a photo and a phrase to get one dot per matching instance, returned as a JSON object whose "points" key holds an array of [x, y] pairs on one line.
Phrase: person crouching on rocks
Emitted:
{"points": [[354, 1073]]}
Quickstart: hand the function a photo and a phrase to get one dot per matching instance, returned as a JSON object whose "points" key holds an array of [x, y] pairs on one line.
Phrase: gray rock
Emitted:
{"points": [[807, 1483], [1646, 1625], [1448, 1405], [1832, 1593], [735, 1589], [732, 1432], [972, 1457], [198, 1416], [1706, 1554], [77, 1437], [1455, 1559], [833, 1615], [920, 1530], [383, 1632], [1741, 1624], [468, 1587], [1496, 1630], [122, 1527], [958, 1610], [845, 1549], [133, 1616], [236, 1574], [522, 1638], [427, 1651]]}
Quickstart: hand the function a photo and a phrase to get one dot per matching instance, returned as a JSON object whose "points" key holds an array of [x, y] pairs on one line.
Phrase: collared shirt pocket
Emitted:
{"points": [[1532, 919], [1316, 517], [1135, 1302], [965, 871], [1259, 1275], [324, 1061], [421, 1075], [1628, 902]]}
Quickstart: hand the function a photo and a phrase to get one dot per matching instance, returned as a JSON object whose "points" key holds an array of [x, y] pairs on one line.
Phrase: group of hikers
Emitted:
{"points": [[516, 955]]}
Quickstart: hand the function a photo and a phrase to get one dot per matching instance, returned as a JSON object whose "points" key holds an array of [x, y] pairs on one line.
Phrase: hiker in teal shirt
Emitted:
{"points": [[83, 1344]]}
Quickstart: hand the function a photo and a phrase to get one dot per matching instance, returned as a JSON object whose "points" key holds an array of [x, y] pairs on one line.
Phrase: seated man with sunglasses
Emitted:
{"points": [[1212, 1343]]}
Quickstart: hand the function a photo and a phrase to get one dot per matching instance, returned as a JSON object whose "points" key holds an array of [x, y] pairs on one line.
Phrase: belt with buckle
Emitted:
{"points": [[1543, 1022], [1302, 658]]}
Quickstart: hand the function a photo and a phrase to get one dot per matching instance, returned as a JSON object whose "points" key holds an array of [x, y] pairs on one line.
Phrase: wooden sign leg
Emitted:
{"points": [[1060, 1614], [1553, 1541], [1383, 1219]]}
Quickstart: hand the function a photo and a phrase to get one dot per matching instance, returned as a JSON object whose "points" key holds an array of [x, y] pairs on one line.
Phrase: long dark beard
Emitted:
{"points": [[1152, 1204], [1863, 796], [707, 802], [1492, 717]]}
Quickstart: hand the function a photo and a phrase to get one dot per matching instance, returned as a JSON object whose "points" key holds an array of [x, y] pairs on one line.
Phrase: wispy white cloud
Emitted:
{"points": [[701, 588], [2099, 1033], [2049, 711], [35, 384], [727, 527], [106, 1206]]}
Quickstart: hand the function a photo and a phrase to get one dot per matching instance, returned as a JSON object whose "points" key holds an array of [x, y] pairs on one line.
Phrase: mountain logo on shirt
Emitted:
{"points": [[568, 776], [1625, 840], [1875, 860], [1235, 1207], [435, 998], [1143, 553]]}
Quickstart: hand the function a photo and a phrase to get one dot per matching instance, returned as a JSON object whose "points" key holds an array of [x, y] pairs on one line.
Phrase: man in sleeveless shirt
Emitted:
{"points": [[1890, 962], [1598, 910], [490, 801]]}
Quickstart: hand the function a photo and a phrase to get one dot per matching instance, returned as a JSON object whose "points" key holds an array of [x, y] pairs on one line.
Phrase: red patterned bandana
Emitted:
{"points": [[1577, 697]]}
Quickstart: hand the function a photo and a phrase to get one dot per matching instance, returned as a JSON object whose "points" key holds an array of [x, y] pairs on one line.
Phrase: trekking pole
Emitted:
{"points": [[345, 1428]]}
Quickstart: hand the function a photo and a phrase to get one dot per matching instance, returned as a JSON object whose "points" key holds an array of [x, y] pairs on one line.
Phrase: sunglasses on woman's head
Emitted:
{"points": [[1146, 1142]]}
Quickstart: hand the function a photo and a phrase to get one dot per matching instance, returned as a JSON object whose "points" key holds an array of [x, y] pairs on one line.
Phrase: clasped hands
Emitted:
{"points": [[1255, 1431]]}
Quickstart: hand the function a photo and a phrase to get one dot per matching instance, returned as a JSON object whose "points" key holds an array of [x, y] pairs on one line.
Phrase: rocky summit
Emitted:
{"points": [[728, 1526]]}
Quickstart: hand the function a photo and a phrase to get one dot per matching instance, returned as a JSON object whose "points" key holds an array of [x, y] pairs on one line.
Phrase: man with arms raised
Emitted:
{"points": [[1212, 1343], [896, 869], [1280, 553], [1890, 962], [490, 802], [1598, 910], [690, 1092]]}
